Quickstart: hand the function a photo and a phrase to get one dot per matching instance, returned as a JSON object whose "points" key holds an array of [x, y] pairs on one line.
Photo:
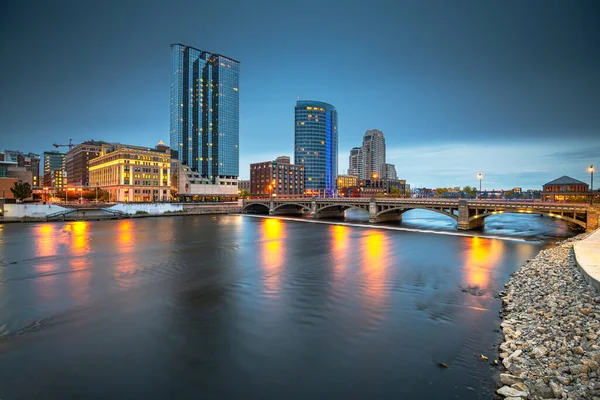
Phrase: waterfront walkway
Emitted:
{"points": [[587, 254]]}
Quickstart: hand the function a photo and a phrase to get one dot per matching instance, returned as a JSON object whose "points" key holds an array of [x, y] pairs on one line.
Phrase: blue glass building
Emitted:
{"points": [[316, 144], [204, 101]]}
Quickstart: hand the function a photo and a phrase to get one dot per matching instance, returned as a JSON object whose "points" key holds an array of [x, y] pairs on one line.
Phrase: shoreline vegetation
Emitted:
{"points": [[551, 329]]}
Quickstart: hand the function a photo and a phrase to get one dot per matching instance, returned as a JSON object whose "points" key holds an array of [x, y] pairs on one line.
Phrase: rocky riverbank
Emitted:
{"points": [[551, 330]]}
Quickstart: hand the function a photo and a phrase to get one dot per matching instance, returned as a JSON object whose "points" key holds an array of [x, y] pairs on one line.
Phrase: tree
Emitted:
{"points": [[470, 191], [245, 194], [395, 192], [21, 191]]}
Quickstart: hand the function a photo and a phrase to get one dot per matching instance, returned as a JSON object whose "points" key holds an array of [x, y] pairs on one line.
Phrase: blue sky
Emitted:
{"points": [[510, 89]]}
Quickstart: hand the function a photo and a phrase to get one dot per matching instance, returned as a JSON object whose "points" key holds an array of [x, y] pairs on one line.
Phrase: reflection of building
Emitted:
{"points": [[77, 162], [54, 161], [132, 173], [565, 189], [288, 178], [204, 124], [316, 144]]}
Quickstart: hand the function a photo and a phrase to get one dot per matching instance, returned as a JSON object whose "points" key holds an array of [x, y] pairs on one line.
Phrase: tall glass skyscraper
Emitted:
{"points": [[316, 144], [204, 125]]}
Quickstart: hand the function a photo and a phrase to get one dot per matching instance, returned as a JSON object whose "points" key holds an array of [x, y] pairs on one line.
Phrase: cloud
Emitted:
{"points": [[579, 154]]}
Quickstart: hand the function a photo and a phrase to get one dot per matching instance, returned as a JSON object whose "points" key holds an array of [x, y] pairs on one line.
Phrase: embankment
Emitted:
{"points": [[551, 327]]}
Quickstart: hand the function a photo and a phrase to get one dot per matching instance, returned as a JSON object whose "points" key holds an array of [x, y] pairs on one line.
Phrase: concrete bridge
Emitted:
{"points": [[469, 214]]}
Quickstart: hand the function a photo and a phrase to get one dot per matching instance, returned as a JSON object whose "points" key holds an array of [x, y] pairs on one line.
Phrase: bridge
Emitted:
{"points": [[468, 214]]}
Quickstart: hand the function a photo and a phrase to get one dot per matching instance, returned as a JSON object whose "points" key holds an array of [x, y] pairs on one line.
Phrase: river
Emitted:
{"points": [[243, 307]]}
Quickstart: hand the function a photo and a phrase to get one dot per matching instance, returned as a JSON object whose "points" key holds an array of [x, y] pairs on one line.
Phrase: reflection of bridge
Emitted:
{"points": [[469, 214]]}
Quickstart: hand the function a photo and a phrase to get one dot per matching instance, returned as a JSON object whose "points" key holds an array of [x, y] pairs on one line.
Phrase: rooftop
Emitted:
{"points": [[565, 180]]}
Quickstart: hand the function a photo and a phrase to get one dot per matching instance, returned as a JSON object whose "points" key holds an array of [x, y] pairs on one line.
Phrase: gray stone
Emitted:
{"points": [[507, 391], [542, 390], [508, 379], [539, 351], [579, 369]]}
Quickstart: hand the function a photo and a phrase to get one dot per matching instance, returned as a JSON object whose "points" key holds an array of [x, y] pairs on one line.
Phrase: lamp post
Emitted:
{"points": [[480, 177], [591, 169]]}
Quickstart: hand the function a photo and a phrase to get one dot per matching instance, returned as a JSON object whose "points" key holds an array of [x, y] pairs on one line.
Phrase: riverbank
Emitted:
{"points": [[43, 213], [551, 328]]}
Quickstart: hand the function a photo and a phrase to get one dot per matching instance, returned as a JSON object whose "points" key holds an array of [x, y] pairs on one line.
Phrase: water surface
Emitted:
{"points": [[241, 307]]}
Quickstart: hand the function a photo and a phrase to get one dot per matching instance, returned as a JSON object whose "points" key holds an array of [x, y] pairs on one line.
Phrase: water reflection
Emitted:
{"points": [[272, 255], [340, 240], [481, 258], [46, 240], [79, 237], [374, 268], [126, 263]]}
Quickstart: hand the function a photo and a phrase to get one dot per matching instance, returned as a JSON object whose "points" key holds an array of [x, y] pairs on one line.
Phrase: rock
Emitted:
{"points": [[508, 379], [579, 369], [508, 391], [520, 386], [578, 350], [557, 391], [542, 390], [539, 351]]}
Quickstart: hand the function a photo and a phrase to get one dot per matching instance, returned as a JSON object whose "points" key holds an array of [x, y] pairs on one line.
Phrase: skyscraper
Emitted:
{"points": [[204, 124], [373, 153], [390, 171], [355, 165], [316, 144]]}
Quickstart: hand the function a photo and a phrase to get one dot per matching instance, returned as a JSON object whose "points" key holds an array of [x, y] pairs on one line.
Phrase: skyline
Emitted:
{"points": [[509, 91]]}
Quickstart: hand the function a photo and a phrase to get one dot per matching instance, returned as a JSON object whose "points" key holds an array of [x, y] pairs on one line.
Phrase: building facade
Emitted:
{"points": [[77, 162], [316, 144], [204, 117], [278, 177], [390, 171], [565, 189], [132, 173], [54, 161], [373, 154], [29, 162], [355, 162], [244, 185], [346, 181]]}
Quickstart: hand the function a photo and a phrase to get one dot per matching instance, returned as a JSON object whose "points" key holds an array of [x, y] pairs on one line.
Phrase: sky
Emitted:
{"points": [[509, 89]]}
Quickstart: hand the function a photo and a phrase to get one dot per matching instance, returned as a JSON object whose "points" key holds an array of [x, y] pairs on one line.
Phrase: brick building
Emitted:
{"points": [[278, 177]]}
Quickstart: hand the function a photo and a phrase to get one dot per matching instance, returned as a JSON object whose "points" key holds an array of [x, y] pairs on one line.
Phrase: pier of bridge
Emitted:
{"points": [[468, 214]]}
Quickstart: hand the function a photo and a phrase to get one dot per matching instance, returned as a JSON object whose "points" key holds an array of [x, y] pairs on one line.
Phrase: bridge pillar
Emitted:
{"points": [[394, 216], [313, 208], [593, 219], [464, 214], [372, 210]]}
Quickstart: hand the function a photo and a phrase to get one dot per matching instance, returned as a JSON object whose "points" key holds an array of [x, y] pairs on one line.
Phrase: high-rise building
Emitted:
{"points": [[54, 161], [278, 177], [77, 162], [390, 171], [373, 154], [355, 165], [316, 144], [204, 122]]}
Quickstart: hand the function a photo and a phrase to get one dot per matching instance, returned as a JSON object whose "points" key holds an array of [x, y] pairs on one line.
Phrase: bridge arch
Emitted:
{"points": [[299, 205], [565, 218], [402, 210], [344, 207], [256, 207]]}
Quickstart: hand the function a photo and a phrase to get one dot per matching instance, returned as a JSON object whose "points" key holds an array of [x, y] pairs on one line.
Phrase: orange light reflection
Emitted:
{"points": [[375, 264], [46, 242], [272, 254], [79, 237], [481, 257]]}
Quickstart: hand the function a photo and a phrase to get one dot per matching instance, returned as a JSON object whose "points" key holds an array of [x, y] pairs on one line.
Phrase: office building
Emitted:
{"points": [[316, 145], [29, 162], [355, 164], [373, 154], [54, 161], [346, 181], [204, 119], [133, 173], [77, 162], [390, 171], [278, 177], [244, 185]]}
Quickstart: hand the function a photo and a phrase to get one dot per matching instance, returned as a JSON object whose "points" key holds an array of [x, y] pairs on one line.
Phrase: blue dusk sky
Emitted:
{"points": [[510, 89]]}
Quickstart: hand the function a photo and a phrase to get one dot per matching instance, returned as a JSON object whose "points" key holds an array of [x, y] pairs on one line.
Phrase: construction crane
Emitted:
{"points": [[70, 145]]}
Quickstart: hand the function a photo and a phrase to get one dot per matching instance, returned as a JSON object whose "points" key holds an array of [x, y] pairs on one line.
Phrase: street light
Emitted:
{"points": [[480, 177], [270, 191], [591, 169]]}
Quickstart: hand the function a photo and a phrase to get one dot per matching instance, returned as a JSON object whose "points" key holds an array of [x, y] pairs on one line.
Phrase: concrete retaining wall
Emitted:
{"points": [[158, 208], [587, 255], [30, 210]]}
